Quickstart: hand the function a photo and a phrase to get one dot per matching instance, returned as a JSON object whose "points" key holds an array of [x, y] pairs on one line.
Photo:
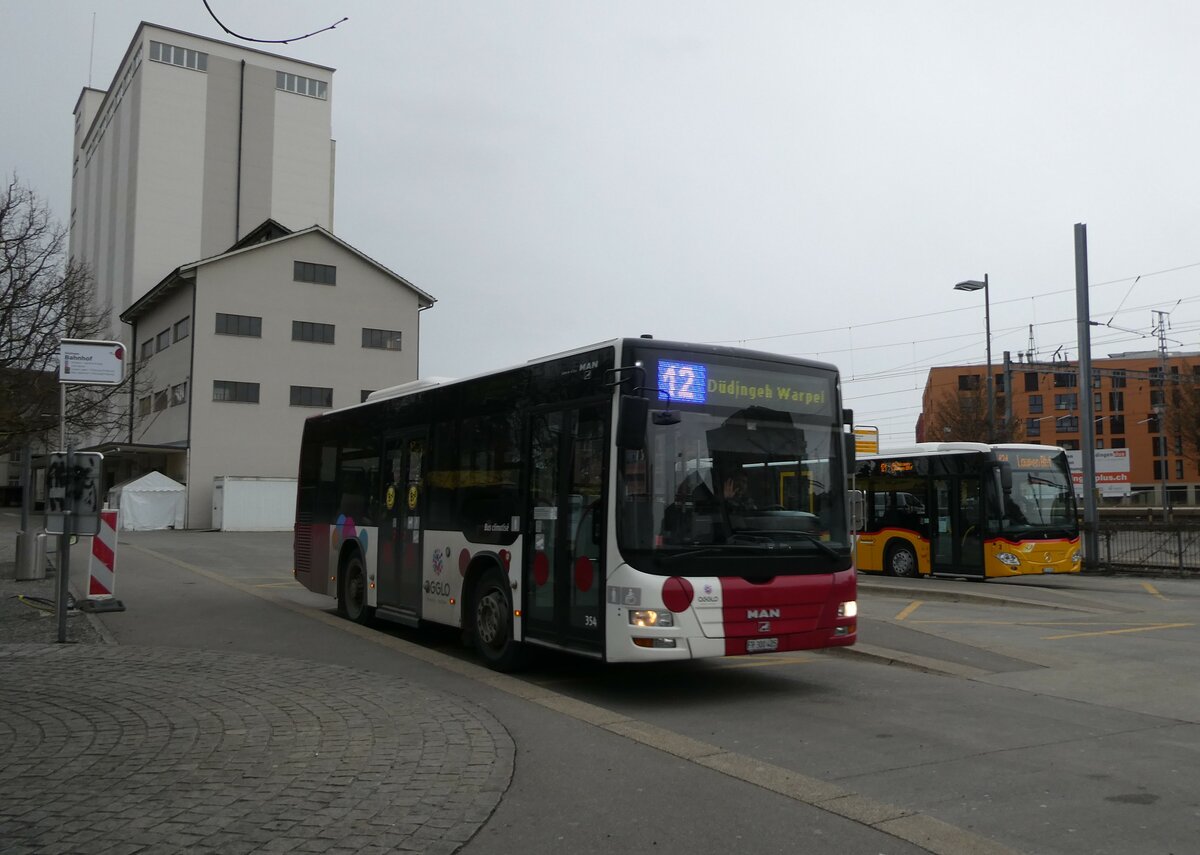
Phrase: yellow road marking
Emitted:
{"points": [[909, 609], [1152, 591], [1116, 631]]}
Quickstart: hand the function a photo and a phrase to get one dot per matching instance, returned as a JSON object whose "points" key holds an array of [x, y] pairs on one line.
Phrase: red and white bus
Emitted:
{"points": [[634, 500]]}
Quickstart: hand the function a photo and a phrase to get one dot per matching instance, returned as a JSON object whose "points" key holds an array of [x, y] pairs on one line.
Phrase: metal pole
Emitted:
{"points": [[64, 550], [1008, 396], [1091, 514], [987, 324], [27, 540]]}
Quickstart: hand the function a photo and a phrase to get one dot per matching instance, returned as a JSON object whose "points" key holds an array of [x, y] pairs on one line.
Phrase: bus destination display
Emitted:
{"points": [[734, 386]]}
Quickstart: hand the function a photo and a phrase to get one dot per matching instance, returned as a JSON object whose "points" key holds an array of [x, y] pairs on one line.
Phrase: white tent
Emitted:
{"points": [[150, 501]]}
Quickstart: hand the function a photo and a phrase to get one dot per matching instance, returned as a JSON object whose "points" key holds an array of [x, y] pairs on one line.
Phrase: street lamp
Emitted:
{"points": [[976, 285]]}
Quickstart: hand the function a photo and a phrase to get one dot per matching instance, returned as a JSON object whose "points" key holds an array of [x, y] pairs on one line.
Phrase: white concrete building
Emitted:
{"points": [[195, 143], [236, 350], [202, 201]]}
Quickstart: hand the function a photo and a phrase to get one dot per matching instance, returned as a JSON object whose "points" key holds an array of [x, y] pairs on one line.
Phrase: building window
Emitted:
{"points": [[235, 390], [311, 396], [1098, 400], [1159, 444], [143, 408], [163, 341], [1035, 403], [382, 339], [239, 325], [183, 57], [1156, 376], [301, 85], [182, 329], [160, 400], [968, 382], [1157, 397], [1152, 423], [179, 394], [1118, 442], [1031, 381], [999, 382], [1099, 443], [1068, 401], [1069, 444], [1178, 470], [1118, 378], [1099, 422], [1158, 469], [321, 274], [307, 331], [1033, 427], [1116, 401], [1067, 424], [1066, 380], [147, 349]]}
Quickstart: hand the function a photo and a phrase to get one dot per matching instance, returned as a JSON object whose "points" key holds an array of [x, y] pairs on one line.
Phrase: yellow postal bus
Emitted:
{"points": [[967, 510]]}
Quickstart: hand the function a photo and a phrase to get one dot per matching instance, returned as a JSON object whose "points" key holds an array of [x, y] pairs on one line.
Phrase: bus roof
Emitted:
{"points": [[619, 343]]}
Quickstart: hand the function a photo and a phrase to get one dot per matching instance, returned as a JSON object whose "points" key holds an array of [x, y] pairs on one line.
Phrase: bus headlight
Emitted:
{"points": [[848, 609], [650, 617], [1076, 557], [1008, 558]]}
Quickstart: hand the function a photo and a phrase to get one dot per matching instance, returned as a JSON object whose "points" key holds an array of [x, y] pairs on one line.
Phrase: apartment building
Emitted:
{"points": [[1130, 392]]}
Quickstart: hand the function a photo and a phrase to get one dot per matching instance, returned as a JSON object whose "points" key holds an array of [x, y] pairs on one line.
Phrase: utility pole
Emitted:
{"points": [[1160, 411], [1091, 514]]}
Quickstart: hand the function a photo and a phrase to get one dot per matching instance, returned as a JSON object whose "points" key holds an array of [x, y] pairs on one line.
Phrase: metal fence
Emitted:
{"points": [[1149, 546]]}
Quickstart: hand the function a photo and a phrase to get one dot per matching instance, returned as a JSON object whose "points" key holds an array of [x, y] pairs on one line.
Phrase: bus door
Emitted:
{"points": [[564, 569], [400, 532], [956, 541]]}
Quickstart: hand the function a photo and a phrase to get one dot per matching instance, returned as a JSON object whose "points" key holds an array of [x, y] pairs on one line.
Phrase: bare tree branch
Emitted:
{"points": [[44, 298]]}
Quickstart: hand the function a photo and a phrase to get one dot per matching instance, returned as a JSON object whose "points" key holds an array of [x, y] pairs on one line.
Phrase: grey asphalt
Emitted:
{"points": [[224, 726]]}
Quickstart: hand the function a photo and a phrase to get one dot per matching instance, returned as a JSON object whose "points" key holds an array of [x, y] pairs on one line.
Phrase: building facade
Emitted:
{"points": [[235, 351], [1130, 396], [195, 143], [203, 204]]}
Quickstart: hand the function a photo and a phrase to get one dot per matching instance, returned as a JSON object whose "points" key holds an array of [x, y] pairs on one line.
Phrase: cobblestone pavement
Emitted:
{"points": [[115, 749]]}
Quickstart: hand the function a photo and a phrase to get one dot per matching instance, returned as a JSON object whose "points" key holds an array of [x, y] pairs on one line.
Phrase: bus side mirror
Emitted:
{"points": [[851, 444], [858, 510], [1006, 477], [631, 422]]}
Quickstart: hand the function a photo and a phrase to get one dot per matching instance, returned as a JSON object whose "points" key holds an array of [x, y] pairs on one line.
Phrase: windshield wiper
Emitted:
{"points": [[743, 542]]}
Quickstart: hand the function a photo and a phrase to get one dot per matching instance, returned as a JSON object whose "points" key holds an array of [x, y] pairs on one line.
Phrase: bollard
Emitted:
{"points": [[28, 568]]}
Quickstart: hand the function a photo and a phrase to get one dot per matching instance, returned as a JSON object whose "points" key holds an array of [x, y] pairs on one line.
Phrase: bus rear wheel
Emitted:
{"points": [[352, 591], [901, 561], [492, 621]]}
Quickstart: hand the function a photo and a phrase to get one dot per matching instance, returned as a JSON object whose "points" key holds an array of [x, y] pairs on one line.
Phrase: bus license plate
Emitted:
{"points": [[762, 645], [1047, 569]]}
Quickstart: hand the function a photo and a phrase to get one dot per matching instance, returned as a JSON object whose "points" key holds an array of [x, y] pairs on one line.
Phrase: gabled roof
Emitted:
{"points": [[269, 233]]}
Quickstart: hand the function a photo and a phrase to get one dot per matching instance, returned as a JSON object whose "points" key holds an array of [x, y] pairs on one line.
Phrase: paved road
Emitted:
{"points": [[1039, 718]]}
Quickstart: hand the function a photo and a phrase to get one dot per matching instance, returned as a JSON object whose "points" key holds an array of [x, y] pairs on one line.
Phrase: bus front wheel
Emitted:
{"points": [[352, 591], [901, 561], [492, 621]]}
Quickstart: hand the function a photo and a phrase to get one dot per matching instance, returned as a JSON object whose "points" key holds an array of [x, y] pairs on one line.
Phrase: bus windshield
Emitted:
{"points": [[756, 490], [1040, 498]]}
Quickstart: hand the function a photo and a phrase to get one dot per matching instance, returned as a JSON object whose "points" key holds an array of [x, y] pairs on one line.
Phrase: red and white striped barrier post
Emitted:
{"points": [[102, 568]]}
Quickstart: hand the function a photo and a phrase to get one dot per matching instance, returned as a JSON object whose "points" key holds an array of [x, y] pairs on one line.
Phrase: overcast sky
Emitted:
{"points": [[809, 178]]}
